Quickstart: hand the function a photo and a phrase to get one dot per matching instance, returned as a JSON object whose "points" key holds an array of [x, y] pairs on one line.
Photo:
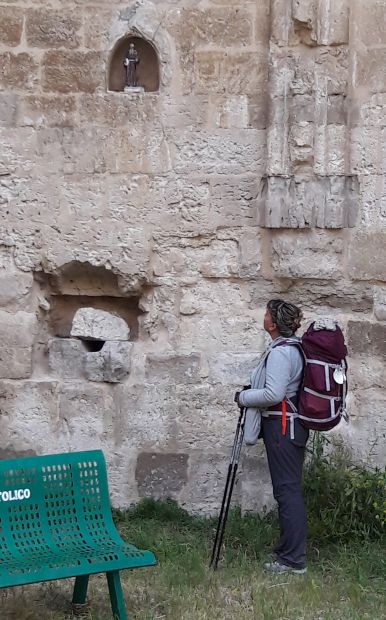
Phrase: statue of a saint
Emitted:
{"points": [[130, 62]]}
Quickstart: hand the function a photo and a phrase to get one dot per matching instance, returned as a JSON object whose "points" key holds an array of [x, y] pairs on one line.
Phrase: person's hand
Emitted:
{"points": [[238, 394]]}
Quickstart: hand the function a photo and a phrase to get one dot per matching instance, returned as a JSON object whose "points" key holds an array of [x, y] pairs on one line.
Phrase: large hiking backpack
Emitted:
{"points": [[322, 395]]}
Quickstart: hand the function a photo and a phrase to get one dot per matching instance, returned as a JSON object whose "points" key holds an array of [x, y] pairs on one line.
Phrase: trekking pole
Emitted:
{"points": [[230, 482]]}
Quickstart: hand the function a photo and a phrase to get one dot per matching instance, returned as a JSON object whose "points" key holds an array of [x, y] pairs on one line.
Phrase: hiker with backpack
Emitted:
{"points": [[275, 381], [298, 384]]}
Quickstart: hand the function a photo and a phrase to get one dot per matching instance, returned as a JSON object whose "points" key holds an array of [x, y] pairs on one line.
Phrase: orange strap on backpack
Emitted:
{"points": [[283, 417]]}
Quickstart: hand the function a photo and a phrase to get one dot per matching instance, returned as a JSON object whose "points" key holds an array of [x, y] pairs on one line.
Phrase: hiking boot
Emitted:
{"points": [[279, 569]]}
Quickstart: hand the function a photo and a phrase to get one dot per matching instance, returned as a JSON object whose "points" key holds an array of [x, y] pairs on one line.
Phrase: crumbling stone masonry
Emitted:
{"points": [[252, 166]]}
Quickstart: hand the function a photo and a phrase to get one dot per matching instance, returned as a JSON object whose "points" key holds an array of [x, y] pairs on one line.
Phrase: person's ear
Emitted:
{"points": [[271, 327]]}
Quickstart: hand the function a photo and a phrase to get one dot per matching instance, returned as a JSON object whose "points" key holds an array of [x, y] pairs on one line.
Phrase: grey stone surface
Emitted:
{"points": [[380, 302], [161, 475], [367, 338], [111, 364], [173, 369], [17, 333], [66, 357], [93, 324]]}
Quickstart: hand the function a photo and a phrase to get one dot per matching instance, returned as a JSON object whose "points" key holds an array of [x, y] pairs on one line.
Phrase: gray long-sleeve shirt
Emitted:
{"points": [[284, 369]]}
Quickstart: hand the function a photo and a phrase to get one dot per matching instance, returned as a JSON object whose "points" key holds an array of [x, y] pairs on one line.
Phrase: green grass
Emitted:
{"points": [[344, 581]]}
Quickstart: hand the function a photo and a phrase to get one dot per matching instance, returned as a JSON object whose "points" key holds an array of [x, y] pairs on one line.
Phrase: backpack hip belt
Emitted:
{"points": [[284, 414]]}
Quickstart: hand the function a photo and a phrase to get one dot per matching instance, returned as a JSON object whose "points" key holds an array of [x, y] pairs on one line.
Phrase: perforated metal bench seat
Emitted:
{"points": [[55, 522]]}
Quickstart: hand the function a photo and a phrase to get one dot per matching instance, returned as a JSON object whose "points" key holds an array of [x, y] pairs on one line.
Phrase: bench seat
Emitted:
{"points": [[56, 522]]}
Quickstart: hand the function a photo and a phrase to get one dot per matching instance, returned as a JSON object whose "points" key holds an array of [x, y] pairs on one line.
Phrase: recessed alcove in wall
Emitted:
{"points": [[147, 70], [82, 285]]}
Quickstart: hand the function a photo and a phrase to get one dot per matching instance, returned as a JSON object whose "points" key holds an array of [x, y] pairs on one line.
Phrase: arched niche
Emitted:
{"points": [[147, 71]]}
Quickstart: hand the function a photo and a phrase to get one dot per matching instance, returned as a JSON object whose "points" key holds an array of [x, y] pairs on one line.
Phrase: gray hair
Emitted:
{"points": [[286, 316]]}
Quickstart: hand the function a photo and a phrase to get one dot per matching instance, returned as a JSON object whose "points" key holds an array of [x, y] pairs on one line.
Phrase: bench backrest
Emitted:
{"points": [[54, 499]]}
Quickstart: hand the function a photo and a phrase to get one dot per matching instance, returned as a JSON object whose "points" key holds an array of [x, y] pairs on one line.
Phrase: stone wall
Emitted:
{"points": [[256, 170]]}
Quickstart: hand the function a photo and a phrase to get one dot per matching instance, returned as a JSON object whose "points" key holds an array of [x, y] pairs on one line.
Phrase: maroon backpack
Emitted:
{"points": [[322, 394]]}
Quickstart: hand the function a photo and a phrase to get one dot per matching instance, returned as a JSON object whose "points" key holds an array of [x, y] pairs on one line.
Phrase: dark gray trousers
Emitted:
{"points": [[285, 460]]}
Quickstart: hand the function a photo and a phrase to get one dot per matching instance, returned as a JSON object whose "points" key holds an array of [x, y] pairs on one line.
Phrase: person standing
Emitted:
{"points": [[273, 398]]}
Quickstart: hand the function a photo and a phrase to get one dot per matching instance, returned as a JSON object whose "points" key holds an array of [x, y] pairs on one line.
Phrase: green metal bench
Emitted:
{"points": [[55, 522]]}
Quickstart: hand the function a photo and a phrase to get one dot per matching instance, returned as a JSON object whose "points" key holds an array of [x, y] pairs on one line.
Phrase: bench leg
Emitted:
{"points": [[116, 596], [80, 590]]}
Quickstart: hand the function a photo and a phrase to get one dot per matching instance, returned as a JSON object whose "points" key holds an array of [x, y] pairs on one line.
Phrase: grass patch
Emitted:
{"points": [[346, 559], [344, 581]]}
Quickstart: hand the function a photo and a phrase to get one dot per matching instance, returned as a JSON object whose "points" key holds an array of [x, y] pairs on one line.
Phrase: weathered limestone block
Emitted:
{"points": [[93, 324], [205, 414], [11, 25], [314, 254], [189, 304], [47, 28], [368, 150], [221, 259], [161, 475], [322, 296], [255, 479], [231, 368], [333, 22], [66, 72], [373, 111], [180, 112], [380, 302], [367, 338], [38, 111], [173, 369], [258, 109], [138, 150], [17, 71], [370, 22], [85, 416], [77, 151], [330, 69], [233, 200], [365, 435], [324, 202], [144, 416], [330, 150], [98, 26], [302, 108], [304, 15], [8, 109], [370, 69], [111, 364], [366, 372], [15, 289], [205, 488], [224, 331], [301, 138], [29, 416], [367, 256], [209, 295], [262, 23], [241, 73], [250, 253], [221, 26], [66, 357], [281, 22], [17, 332], [224, 152]]}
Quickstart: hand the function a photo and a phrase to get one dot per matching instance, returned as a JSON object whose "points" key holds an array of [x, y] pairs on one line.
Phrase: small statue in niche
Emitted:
{"points": [[131, 62]]}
